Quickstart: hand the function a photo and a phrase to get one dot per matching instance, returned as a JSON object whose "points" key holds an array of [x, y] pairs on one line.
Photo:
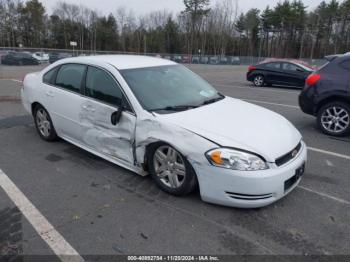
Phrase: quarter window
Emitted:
{"points": [[70, 77], [48, 78], [101, 86]]}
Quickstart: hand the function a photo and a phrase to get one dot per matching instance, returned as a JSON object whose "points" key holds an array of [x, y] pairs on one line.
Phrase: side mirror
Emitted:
{"points": [[115, 117]]}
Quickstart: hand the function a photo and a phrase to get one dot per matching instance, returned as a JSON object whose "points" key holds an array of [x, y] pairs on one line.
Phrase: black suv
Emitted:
{"points": [[326, 95]]}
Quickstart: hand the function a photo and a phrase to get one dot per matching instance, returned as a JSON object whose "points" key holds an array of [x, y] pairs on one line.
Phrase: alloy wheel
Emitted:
{"points": [[335, 119], [259, 81], [169, 166], [43, 122]]}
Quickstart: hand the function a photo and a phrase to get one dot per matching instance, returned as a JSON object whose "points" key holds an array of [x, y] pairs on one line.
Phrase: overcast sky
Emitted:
{"points": [[145, 6]]}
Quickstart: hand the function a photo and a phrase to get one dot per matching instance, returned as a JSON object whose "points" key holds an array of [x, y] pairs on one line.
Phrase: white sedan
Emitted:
{"points": [[41, 57], [153, 116]]}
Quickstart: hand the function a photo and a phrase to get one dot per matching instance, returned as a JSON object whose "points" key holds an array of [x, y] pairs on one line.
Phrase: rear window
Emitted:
{"points": [[48, 78]]}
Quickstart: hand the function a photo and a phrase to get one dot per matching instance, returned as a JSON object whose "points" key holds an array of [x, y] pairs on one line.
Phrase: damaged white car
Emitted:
{"points": [[153, 116]]}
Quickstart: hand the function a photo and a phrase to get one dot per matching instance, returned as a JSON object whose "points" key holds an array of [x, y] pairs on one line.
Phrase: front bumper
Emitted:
{"points": [[250, 189]]}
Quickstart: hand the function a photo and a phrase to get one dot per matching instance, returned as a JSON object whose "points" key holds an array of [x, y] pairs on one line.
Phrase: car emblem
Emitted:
{"points": [[294, 153]]}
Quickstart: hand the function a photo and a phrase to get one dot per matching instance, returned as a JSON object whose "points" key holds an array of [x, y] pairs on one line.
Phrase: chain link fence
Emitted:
{"points": [[179, 58]]}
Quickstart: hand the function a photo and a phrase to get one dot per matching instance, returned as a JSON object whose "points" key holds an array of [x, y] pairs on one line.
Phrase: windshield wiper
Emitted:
{"points": [[213, 100], [175, 108]]}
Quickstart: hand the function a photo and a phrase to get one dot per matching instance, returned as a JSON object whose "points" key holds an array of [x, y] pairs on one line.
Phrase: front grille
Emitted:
{"points": [[289, 156], [248, 197]]}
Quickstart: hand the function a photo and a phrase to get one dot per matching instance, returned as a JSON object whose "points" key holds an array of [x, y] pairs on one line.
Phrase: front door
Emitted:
{"points": [[103, 97], [294, 75]]}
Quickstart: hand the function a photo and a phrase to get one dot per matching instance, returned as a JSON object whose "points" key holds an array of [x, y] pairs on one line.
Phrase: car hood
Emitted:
{"points": [[238, 124]]}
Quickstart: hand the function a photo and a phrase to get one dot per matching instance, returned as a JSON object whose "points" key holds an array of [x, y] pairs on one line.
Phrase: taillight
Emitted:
{"points": [[313, 79], [251, 68]]}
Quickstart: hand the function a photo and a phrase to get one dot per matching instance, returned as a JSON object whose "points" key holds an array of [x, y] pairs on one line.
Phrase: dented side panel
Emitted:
{"points": [[151, 130], [99, 134]]}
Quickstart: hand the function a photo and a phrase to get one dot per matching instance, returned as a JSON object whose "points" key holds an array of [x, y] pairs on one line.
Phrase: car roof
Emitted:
{"points": [[285, 60], [123, 61]]}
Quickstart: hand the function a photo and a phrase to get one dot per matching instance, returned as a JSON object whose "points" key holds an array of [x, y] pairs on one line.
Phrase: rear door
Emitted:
{"points": [[103, 97], [65, 99], [273, 72]]}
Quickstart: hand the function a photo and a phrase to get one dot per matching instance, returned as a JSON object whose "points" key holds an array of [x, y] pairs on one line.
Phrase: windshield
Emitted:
{"points": [[172, 86]]}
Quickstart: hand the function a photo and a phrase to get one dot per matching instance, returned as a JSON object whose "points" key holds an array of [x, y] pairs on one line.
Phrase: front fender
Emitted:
{"points": [[189, 144]]}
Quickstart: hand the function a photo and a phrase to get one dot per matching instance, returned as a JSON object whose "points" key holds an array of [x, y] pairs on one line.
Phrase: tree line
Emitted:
{"points": [[287, 29]]}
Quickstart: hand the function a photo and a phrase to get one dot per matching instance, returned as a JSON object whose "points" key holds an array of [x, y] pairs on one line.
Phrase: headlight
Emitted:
{"points": [[236, 160]]}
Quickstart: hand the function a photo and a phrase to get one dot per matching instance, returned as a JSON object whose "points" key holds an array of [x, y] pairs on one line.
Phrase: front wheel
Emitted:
{"points": [[44, 125], [334, 119], [259, 81], [171, 171]]}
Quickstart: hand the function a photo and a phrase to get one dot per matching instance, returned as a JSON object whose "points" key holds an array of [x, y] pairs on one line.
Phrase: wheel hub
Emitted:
{"points": [[169, 166], [335, 119]]}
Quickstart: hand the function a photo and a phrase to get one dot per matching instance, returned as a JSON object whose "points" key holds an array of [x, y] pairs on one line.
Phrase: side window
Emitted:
{"points": [[70, 77], [101, 86], [346, 65], [273, 65], [48, 78], [290, 67]]}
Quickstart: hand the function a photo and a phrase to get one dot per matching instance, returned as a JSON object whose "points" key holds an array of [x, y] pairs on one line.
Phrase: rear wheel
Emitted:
{"points": [[44, 124], [334, 119], [171, 171], [259, 80]]}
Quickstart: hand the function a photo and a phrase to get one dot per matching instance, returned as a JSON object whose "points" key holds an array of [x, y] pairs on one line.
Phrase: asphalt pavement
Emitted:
{"points": [[98, 208]]}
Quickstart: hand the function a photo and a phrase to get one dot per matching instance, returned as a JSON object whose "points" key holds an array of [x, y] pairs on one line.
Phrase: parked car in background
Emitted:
{"points": [[41, 57], [53, 57], [186, 59], [195, 59], [278, 72], [214, 60], [3, 53], [19, 58], [326, 96], [224, 60], [168, 122], [235, 60], [177, 59], [204, 60]]}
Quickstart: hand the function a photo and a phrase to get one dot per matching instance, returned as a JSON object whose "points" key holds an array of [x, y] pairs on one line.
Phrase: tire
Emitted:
{"points": [[259, 81], [164, 174], [44, 125], [334, 119]]}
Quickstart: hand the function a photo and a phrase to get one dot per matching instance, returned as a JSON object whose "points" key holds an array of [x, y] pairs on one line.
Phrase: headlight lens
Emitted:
{"points": [[236, 160]]}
